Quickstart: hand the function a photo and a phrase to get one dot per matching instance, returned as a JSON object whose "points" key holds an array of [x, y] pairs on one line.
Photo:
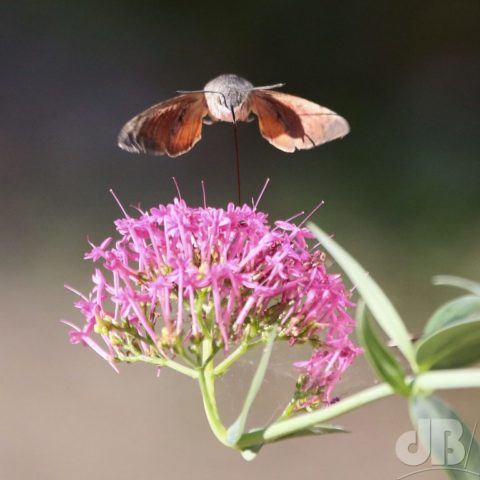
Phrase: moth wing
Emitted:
{"points": [[292, 123], [171, 127]]}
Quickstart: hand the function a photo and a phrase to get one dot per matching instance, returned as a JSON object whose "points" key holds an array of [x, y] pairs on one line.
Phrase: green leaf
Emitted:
{"points": [[250, 452], [452, 281], [455, 311], [376, 300], [439, 429], [454, 346], [238, 427], [379, 356]]}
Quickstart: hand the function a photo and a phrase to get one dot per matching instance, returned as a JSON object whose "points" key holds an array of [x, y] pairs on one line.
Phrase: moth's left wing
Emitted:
{"points": [[292, 123]]}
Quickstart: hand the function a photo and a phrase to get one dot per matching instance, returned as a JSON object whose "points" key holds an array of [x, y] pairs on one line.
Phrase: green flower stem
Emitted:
{"points": [[206, 379], [423, 384], [241, 350], [160, 362], [307, 420], [447, 379]]}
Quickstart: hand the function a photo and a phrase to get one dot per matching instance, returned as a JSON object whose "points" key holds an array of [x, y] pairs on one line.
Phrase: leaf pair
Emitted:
{"points": [[451, 339], [452, 335]]}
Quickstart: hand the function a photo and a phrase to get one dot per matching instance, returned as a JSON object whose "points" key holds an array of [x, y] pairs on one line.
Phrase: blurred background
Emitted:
{"points": [[402, 195]]}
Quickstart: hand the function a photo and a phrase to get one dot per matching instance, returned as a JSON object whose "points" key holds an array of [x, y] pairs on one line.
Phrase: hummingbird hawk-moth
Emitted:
{"points": [[174, 126]]}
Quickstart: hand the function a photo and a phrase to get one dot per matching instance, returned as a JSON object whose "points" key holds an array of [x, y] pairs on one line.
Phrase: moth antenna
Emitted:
{"points": [[310, 214], [190, 91], [177, 188], [204, 194], [206, 91], [269, 87], [261, 194], [119, 204]]}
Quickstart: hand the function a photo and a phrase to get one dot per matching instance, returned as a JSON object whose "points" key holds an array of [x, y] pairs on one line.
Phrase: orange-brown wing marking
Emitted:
{"points": [[292, 123], [171, 127]]}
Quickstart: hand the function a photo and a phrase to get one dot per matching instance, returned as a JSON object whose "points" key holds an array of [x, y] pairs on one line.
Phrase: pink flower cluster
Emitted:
{"points": [[178, 274]]}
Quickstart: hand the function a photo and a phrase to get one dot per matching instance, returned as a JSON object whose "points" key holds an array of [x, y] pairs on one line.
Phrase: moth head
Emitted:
{"points": [[226, 93]]}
